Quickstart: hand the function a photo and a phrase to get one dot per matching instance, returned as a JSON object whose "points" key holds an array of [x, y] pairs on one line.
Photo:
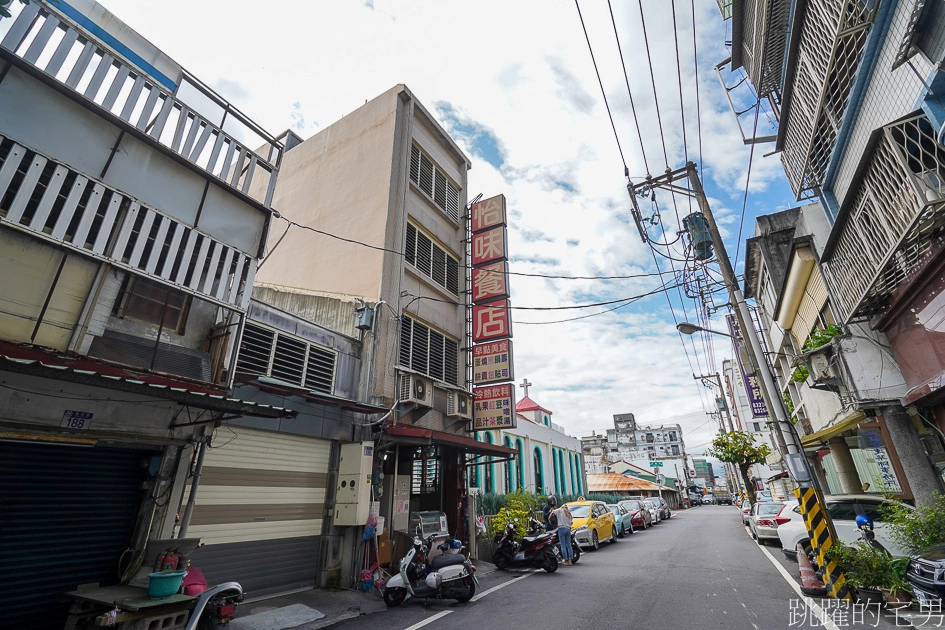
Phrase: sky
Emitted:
{"points": [[514, 84]]}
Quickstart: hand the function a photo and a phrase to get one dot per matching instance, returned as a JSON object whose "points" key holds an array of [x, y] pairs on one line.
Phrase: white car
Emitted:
{"points": [[746, 512], [654, 508], [843, 510]]}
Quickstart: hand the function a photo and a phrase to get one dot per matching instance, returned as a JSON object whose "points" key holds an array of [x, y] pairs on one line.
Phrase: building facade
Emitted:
{"points": [[547, 460], [390, 182], [856, 91], [132, 221], [629, 442]]}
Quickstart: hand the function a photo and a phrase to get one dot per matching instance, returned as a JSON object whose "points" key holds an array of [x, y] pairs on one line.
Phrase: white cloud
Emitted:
{"points": [[521, 71]]}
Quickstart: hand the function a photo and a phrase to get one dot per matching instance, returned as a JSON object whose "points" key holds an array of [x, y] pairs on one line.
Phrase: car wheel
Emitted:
{"points": [[613, 535], [620, 532], [595, 541], [632, 530]]}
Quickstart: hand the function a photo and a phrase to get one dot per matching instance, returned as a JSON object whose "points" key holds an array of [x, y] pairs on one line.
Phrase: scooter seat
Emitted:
{"points": [[447, 560]]}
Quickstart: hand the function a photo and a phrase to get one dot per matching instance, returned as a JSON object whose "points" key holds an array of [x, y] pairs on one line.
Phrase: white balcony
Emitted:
{"points": [[829, 50], [894, 216], [154, 96]]}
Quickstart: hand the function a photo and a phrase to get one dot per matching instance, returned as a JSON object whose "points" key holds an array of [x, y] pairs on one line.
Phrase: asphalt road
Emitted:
{"points": [[696, 570]]}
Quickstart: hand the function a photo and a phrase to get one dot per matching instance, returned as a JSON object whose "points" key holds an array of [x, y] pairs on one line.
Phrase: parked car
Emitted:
{"points": [[654, 507], [708, 499], [762, 522], [593, 523], [665, 512], [640, 516], [624, 519], [746, 512], [926, 575], [763, 496], [843, 510]]}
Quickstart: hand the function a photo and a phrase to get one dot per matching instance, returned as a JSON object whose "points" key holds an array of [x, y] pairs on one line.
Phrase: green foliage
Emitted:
{"points": [[739, 448], [519, 507], [916, 529], [788, 403], [865, 567], [490, 503], [821, 337], [800, 374]]}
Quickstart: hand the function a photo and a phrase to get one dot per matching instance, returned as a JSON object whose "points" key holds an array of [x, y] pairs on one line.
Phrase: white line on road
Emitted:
{"points": [[815, 609], [429, 620], [495, 588]]}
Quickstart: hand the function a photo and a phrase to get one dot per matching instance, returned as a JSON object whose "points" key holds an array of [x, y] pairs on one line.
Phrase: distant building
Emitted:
{"points": [[631, 443]]}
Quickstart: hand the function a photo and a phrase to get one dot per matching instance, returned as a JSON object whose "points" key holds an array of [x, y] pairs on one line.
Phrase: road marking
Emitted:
{"points": [[814, 608], [429, 620], [495, 588]]}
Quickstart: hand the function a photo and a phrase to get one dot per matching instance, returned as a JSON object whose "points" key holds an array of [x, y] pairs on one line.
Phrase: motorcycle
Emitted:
{"points": [[533, 551], [432, 568], [536, 528]]}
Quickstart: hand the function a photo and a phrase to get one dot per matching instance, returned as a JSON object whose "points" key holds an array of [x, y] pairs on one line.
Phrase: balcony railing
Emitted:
{"points": [[897, 213], [44, 36], [57, 203], [830, 50]]}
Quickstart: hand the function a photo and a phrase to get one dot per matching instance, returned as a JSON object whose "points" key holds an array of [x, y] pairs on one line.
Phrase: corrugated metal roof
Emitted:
{"points": [[614, 482]]}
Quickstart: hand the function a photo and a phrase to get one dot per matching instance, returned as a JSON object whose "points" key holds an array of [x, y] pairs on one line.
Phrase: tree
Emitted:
{"points": [[739, 448]]}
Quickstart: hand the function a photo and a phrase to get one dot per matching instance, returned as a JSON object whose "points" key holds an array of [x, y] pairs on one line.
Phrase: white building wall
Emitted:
{"points": [[544, 438]]}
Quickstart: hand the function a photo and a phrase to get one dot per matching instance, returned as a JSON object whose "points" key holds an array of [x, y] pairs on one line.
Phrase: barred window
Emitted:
{"points": [[428, 352], [434, 182], [266, 352], [431, 260]]}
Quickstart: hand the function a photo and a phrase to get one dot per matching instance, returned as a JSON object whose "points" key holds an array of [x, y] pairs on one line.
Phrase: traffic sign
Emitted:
{"points": [[656, 464]]}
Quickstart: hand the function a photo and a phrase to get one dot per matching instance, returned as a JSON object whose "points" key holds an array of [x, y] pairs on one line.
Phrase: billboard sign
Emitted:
{"points": [[489, 246], [487, 213], [491, 321], [494, 407], [752, 387], [490, 282], [492, 362]]}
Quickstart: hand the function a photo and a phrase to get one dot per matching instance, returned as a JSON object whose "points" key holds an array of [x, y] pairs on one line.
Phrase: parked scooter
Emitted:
{"points": [[434, 568], [216, 605], [533, 551], [536, 528]]}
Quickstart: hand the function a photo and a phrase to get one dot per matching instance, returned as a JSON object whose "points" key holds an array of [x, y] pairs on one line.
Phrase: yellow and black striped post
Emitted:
{"points": [[822, 538]]}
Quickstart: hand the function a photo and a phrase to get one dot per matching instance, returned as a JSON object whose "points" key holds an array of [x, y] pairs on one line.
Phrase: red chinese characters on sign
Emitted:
{"points": [[490, 282], [488, 246], [492, 362], [488, 213], [494, 407], [491, 321]]}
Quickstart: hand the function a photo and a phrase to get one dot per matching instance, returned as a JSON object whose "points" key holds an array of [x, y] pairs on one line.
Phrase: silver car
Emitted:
{"points": [[762, 521], [654, 508]]}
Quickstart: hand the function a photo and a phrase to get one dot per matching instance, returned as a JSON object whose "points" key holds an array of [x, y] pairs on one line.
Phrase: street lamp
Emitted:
{"points": [[690, 329]]}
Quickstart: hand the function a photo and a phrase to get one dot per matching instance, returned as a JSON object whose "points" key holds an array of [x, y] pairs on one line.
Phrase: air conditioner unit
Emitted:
{"points": [[458, 404], [416, 389]]}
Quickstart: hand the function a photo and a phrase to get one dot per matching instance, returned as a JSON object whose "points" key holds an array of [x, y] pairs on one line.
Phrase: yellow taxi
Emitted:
{"points": [[593, 523]]}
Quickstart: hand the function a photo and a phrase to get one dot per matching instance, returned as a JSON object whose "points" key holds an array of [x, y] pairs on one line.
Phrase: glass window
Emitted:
{"points": [[579, 511], [842, 511], [153, 303], [873, 510]]}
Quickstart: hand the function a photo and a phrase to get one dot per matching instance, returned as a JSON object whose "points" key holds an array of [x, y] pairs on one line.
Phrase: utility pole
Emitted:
{"points": [[730, 468], [810, 495]]}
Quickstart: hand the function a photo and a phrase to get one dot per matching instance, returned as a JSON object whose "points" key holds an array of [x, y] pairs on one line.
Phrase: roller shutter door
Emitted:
{"points": [[67, 515], [259, 510]]}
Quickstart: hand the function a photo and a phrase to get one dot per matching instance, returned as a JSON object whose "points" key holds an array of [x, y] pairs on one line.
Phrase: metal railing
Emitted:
{"points": [[897, 214], [41, 35]]}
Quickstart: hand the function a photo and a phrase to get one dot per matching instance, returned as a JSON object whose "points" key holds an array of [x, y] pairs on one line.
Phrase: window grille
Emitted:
{"points": [[897, 212], [429, 352], [434, 182], [431, 260], [266, 352], [829, 53]]}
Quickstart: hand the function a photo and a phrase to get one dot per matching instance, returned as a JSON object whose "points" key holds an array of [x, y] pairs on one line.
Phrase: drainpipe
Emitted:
{"points": [[189, 510]]}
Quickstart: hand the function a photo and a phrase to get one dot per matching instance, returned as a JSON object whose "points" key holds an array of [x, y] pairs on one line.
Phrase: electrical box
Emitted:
{"points": [[699, 235], [364, 319], [353, 489]]}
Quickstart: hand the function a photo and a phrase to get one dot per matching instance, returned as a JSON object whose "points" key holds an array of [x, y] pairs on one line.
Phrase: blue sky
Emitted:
{"points": [[514, 85]]}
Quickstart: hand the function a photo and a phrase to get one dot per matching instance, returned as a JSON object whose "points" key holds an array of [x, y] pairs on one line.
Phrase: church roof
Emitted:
{"points": [[527, 404]]}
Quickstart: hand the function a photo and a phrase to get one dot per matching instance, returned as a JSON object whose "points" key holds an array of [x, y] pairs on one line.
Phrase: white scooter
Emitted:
{"points": [[432, 569]]}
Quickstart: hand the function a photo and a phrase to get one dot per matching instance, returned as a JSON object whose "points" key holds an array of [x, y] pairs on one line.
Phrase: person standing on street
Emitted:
{"points": [[563, 516], [546, 512]]}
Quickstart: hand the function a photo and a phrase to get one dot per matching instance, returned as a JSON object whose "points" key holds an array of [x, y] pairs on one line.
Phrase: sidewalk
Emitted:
{"points": [[319, 608]]}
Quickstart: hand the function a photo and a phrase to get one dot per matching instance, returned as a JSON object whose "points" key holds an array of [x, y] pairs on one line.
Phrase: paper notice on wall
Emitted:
{"points": [[401, 507], [443, 526]]}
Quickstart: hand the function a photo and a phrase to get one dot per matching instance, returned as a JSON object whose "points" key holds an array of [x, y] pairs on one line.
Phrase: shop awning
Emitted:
{"points": [[34, 361], [405, 434], [275, 386], [822, 436]]}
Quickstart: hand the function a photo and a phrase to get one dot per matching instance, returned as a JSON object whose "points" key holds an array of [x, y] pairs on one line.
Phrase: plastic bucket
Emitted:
{"points": [[165, 583]]}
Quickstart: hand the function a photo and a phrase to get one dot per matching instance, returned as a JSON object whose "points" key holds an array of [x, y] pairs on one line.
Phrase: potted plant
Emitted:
{"points": [[896, 590], [864, 568]]}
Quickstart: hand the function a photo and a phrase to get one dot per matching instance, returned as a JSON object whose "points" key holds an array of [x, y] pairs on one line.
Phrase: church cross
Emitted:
{"points": [[525, 385]]}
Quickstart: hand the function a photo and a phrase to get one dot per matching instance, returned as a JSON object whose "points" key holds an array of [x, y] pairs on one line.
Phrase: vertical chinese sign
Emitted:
{"points": [[757, 402], [493, 394]]}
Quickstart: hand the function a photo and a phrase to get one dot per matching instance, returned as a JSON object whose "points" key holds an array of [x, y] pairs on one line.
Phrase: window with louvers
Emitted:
{"points": [[428, 352], [431, 260], [266, 352], [434, 182]]}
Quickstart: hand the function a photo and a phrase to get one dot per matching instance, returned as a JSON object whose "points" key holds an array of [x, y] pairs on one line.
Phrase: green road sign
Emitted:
{"points": [[656, 464]]}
